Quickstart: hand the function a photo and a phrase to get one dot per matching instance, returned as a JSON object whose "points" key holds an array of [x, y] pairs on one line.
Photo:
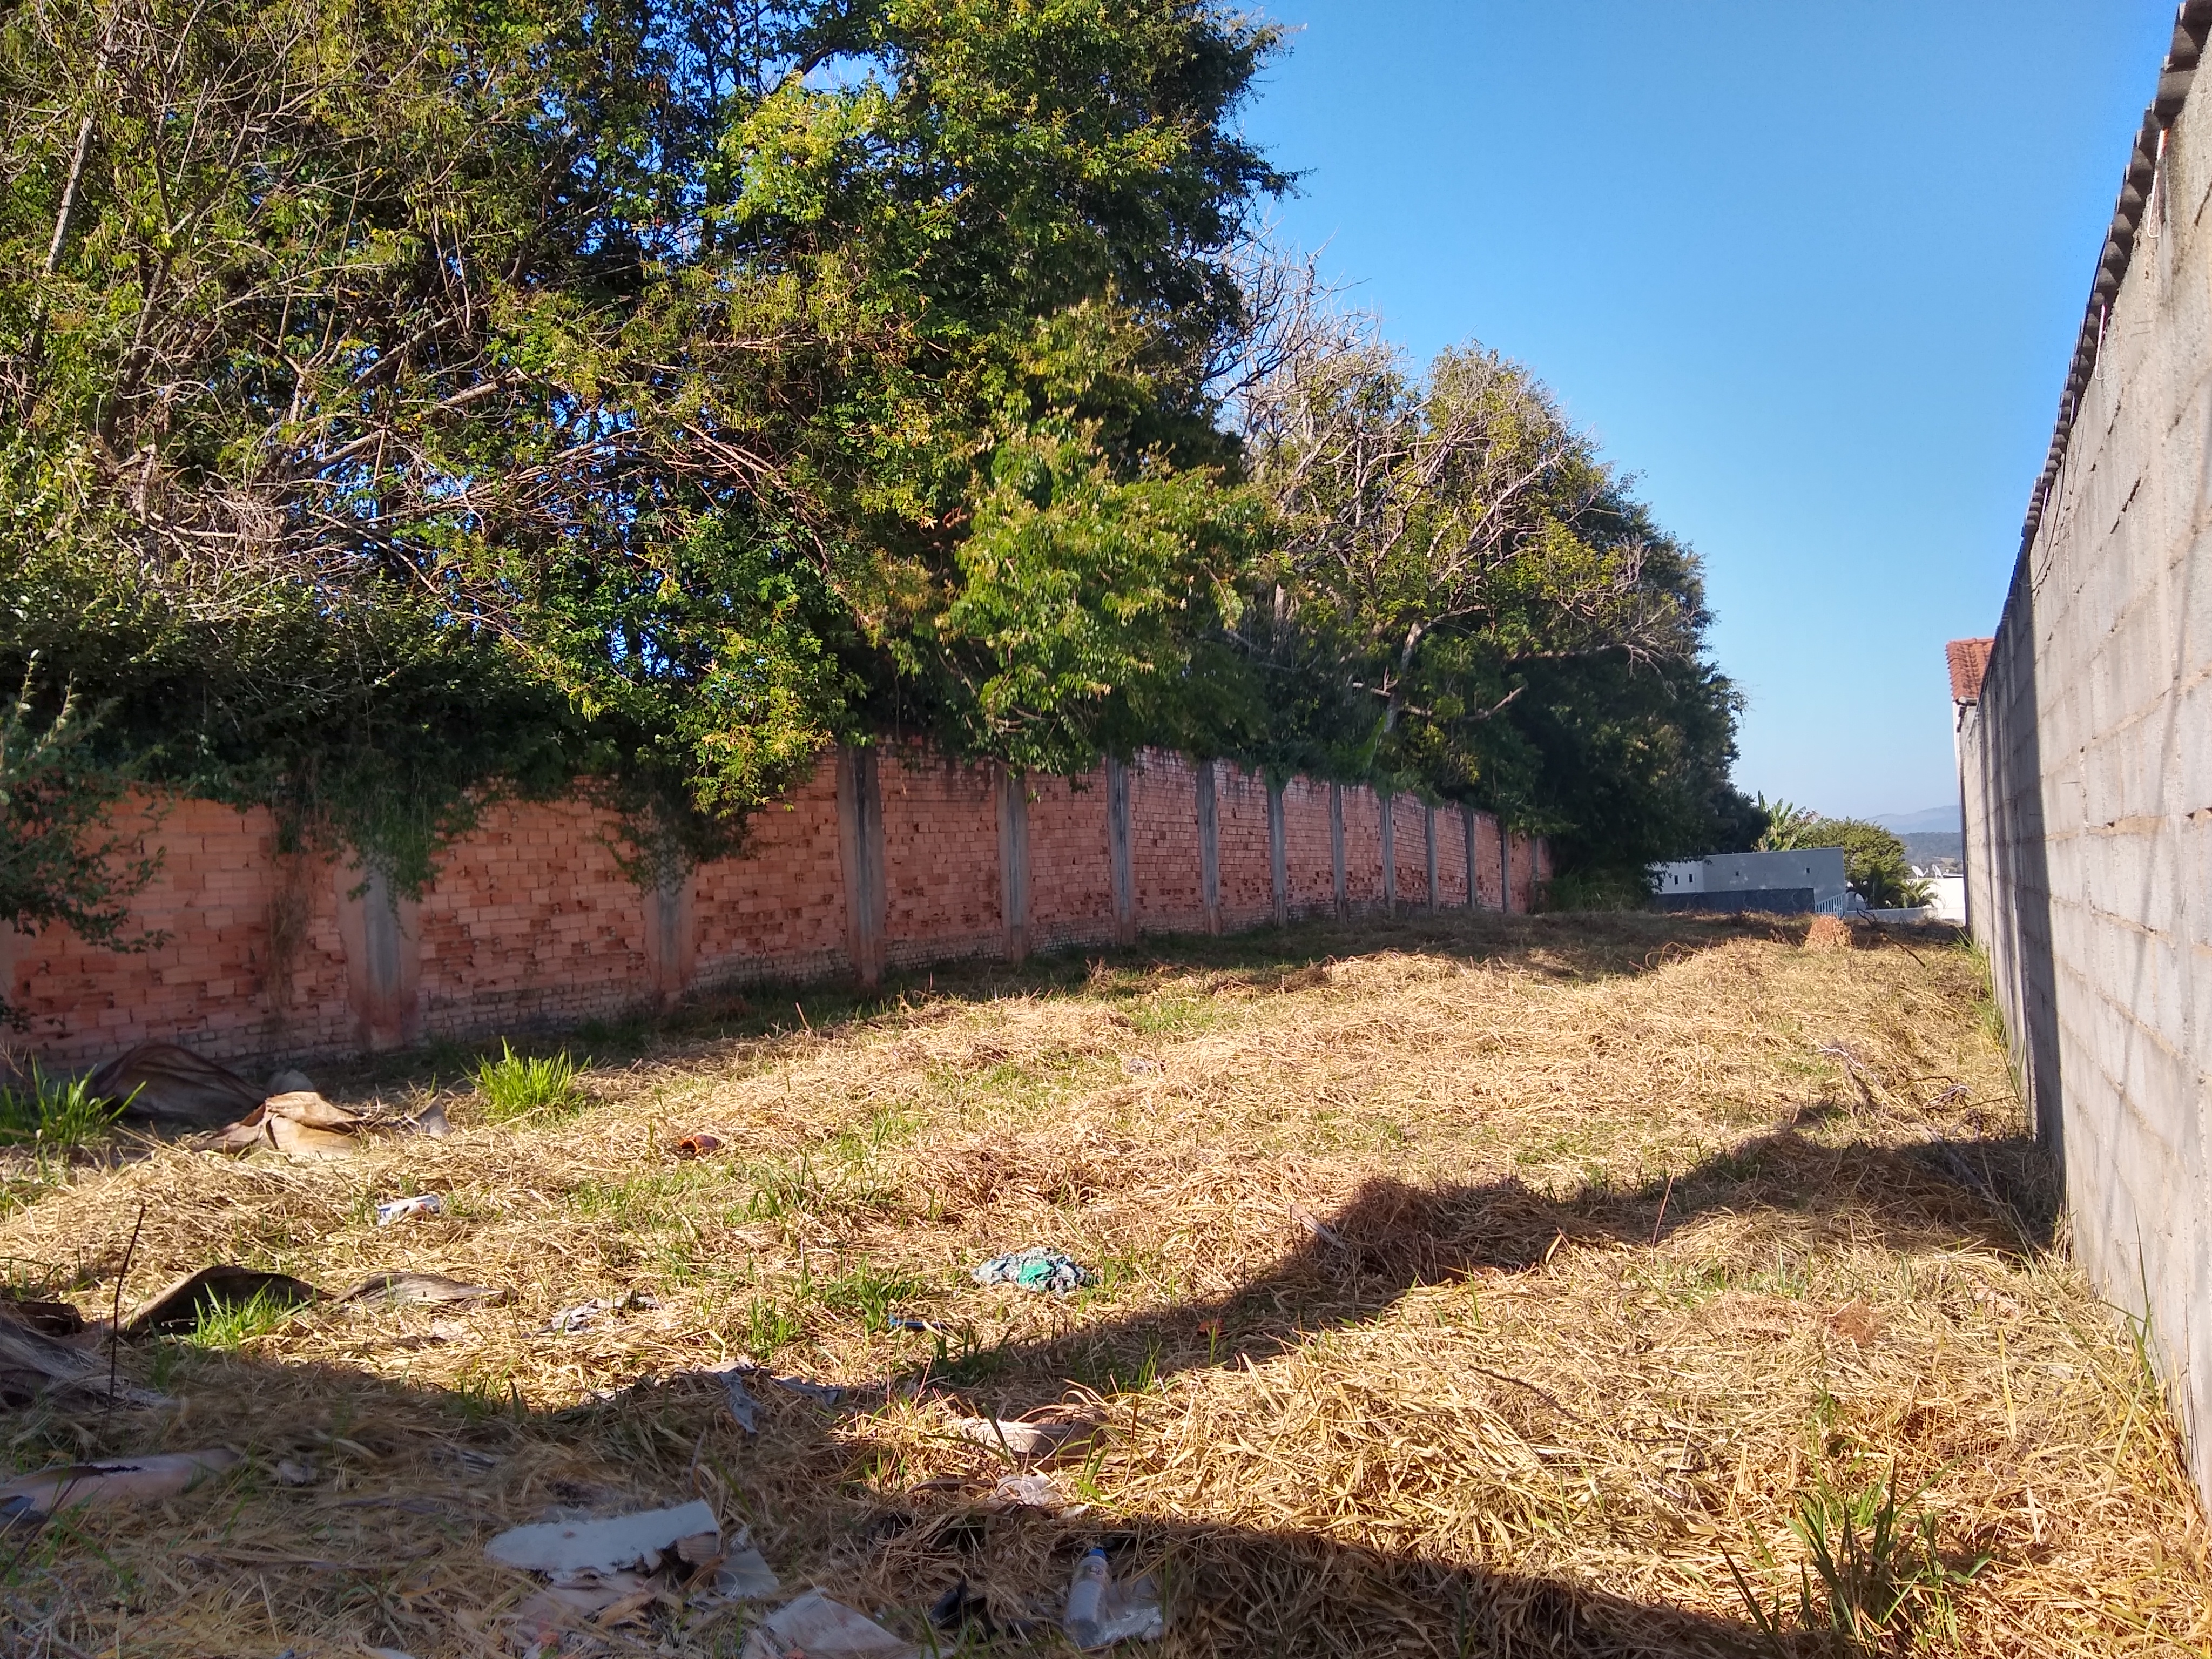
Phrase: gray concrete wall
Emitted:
{"points": [[2087, 770]]}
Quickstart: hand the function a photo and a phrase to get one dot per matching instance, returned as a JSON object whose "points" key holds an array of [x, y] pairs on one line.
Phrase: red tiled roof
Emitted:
{"points": [[1969, 660]]}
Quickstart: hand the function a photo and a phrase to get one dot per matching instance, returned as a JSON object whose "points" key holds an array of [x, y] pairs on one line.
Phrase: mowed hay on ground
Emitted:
{"points": [[1489, 1286]]}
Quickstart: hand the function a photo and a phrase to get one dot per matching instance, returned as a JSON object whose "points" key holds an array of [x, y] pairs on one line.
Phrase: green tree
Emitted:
{"points": [[666, 388], [1465, 600], [1875, 863]]}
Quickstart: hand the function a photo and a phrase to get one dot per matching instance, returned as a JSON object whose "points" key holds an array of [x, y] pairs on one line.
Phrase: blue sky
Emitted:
{"points": [[1814, 273]]}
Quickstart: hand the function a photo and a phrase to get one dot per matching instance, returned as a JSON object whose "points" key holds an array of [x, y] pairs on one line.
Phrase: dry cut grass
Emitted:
{"points": [[1541, 1285]]}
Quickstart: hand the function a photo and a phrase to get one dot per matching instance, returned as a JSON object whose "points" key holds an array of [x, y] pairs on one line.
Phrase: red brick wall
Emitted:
{"points": [[940, 859], [1524, 874], [778, 910], [1409, 850], [1306, 858], [1247, 871], [1163, 843], [1363, 847], [1071, 878], [1451, 857], [531, 921], [1489, 878], [221, 897]]}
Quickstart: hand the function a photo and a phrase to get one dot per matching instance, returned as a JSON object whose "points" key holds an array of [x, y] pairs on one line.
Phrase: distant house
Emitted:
{"points": [[1969, 660], [1807, 881]]}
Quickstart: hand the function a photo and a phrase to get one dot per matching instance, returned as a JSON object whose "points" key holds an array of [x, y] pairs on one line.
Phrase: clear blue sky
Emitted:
{"points": [[1812, 272]]}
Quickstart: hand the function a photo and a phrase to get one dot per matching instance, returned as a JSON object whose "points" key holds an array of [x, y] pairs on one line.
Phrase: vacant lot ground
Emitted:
{"points": [[1515, 1287]]}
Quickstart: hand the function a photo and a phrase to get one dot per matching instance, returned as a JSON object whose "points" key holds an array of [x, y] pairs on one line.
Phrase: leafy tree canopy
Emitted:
{"points": [[405, 402]]}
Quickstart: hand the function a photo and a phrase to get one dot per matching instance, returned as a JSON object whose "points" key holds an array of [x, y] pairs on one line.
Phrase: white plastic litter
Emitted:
{"points": [[609, 1546], [816, 1627]]}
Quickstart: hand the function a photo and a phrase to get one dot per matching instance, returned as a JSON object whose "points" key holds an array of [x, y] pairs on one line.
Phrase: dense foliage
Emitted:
{"points": [[404, 402]]}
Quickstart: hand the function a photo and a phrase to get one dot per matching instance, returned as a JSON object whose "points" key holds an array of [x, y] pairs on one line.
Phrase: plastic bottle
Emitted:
{"points": [[1099, 1613], [1086, 1599]]}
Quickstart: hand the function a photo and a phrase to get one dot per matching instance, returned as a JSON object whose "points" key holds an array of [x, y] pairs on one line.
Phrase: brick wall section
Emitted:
{"points": [[1163, 843], [778, 911], [1070, 882], [2086, 772], [1489, 873], [1451, 857], [1409, 820], [1248, 877], [1306, 858], [940, 860], [530, 921], [221, 897], [1525, 872], [1363, 849]]}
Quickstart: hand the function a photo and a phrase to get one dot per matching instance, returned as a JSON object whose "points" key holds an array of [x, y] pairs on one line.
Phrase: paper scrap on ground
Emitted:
{"points": [[1022, 1439], [419, 1289], [115, 1480], [743, 1406], [612, 1545], [816, 1627], [746, 1575]]}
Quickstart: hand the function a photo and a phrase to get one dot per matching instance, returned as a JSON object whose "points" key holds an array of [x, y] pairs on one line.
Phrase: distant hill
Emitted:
{"points": [[1925, 846], [1929, 818]]}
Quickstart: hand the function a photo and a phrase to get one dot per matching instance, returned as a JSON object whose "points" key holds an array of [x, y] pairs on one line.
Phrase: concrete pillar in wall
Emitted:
{"points": [[1014, 862], [380, 931], [1209, 847], [1279, 862], [1474, 881], [860, 854], [1429, 839], [1390, 853], [1336, 849], [1120, 852], [672, 933]]}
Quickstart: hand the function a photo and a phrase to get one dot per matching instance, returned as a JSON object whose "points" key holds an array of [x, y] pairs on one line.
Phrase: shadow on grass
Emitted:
{"points": [[1593, 946], [1394, 1237], [437, 1470]]}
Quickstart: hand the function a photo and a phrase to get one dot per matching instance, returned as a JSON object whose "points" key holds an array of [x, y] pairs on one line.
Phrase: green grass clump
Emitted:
{"points": [[868, 1293], [226, 1327], [769, 1326], [1873, 1581], [516, 1086], [55, 1113]]}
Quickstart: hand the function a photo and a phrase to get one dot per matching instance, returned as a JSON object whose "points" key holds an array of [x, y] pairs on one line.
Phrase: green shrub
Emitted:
{"points": [[516, 1086]]}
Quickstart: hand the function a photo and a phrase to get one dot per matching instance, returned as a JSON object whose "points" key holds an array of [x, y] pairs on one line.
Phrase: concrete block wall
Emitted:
{"points": [[2086, 769], [883, 858]]}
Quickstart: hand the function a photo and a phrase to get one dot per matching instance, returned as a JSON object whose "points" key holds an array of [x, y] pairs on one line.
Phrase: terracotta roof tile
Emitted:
{"points": [[1970, 660]]}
